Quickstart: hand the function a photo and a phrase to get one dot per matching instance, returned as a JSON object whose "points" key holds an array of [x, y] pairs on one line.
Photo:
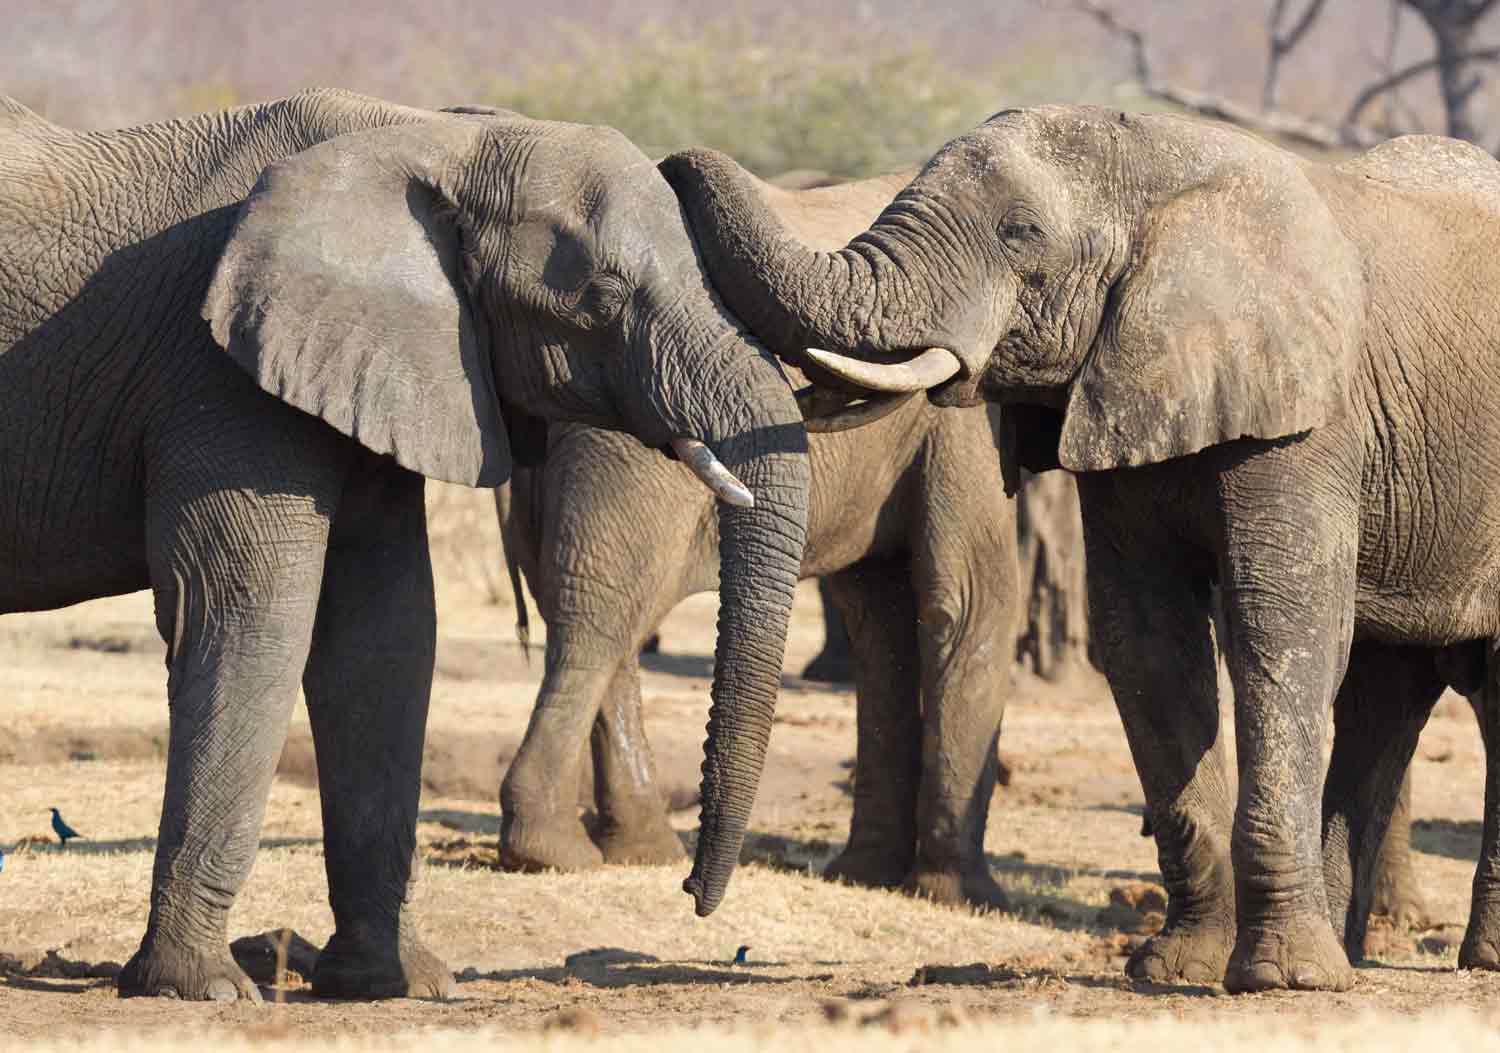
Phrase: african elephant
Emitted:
{"points": [[611, 538], [384, 280], [1266, 372]]}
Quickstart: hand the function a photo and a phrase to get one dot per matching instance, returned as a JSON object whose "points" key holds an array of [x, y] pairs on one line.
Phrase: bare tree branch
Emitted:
{"points": [[1395, 80], [1274, 122], [1283, 43]]}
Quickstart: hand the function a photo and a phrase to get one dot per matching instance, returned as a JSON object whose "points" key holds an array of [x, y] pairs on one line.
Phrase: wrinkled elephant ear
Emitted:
{"points": [[342, 292], [1239, 316]]}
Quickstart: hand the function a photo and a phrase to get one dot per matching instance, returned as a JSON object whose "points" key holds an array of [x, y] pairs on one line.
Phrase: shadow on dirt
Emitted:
{"points": [[83, 847], [615, 967], [1453, 838]]}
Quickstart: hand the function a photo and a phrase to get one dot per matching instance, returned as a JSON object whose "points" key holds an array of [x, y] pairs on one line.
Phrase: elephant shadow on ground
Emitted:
{"points": [[1453, 838], [616, 967], [132, 844], [699, 666], [464, 821]]}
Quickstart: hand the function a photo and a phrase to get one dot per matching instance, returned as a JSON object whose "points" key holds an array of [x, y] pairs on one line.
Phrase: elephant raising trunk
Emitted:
{"points": [[851, 299]]}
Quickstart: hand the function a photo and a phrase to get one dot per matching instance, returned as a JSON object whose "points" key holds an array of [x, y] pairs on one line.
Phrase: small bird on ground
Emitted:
{"points": [[2, 859], [739, 955], [63, 831]]}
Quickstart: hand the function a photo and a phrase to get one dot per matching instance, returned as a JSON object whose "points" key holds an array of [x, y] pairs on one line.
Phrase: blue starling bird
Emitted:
{"points": [[62, 829], [739, 955], [2, 859]]}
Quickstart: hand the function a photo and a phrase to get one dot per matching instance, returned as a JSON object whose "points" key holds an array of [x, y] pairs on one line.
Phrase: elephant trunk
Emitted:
{"points": [[859, 300], [760, 561]]}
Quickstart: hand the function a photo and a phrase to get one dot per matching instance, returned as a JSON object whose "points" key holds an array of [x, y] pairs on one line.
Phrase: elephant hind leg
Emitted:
{"points": [[632, 825], [1481, 946], [235, 567], [875, 597], [1382, 704], [367, 684]]}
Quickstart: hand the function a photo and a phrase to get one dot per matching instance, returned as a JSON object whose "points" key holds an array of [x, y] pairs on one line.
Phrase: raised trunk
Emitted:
{"points": [[797, 298], [760, 558]]}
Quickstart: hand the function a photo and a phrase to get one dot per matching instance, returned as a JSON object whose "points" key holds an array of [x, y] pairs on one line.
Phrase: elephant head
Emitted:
{"points": [[421, 287], [1136, 287]]}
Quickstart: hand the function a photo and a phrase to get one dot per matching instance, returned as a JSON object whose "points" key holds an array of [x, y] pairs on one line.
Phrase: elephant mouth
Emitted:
{"points": [[825, 411]]}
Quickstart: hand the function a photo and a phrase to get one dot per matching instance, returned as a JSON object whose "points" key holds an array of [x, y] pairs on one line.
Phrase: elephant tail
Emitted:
{"points": [[523, 617], [503, 514]]}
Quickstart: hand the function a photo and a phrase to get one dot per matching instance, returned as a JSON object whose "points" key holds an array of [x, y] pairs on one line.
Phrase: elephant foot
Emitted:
{"points": [[870, 867], [1300, 954], [1481, 946], [1188, 952], [556, 845], [365, 967], [642, 843], [165, 970], [1397, 897], [965, 886]]}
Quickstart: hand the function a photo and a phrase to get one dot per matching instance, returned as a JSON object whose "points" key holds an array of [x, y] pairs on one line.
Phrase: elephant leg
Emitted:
{"points": [[1398, 893], [1288, 574], [1382, 704], [633, 825], [834, 664], [1149, 620], [236, 571], [1481, 946], [967, 602], [367, 685], [875, 598]]}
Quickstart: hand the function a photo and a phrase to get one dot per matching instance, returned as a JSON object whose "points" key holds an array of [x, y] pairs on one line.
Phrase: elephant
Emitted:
{"points": [[232, 348], [1265, 372], [920, 564]]}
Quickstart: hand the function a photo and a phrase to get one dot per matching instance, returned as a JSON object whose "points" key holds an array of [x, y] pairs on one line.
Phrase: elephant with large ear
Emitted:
{"points": [[231, 349], [1266, 372]]}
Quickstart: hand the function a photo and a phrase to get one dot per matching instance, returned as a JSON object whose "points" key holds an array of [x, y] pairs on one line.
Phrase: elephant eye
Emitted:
{"points": [[601, 300], [1020, 232]]}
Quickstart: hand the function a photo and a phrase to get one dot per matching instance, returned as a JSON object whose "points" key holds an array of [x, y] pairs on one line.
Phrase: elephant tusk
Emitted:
{"points": [[927, 370], [713, 474], [855, 414]]}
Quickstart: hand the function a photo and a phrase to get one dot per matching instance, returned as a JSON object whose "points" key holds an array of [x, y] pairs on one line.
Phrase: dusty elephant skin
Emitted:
{"points": [[1266, 372], [922, 568], [611, 538], [393, 277]]}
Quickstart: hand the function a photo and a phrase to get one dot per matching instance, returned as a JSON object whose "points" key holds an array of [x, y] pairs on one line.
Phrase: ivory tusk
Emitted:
{"points": [[713, 474], [927, 370]]}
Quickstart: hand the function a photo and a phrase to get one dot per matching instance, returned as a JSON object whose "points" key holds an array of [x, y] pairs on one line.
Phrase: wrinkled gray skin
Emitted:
{"points": [[611, 538], [1266, 372], [400, 282], [921, 561]]}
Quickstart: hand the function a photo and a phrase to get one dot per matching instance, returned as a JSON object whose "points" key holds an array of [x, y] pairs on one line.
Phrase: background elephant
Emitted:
{"points": [[1266, 372], [919, 562], [394, 277]]}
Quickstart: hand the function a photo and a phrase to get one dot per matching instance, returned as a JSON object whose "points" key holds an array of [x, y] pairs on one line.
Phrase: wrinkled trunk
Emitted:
{"points": [[792, 297], [760, 559], [1054, 636]]}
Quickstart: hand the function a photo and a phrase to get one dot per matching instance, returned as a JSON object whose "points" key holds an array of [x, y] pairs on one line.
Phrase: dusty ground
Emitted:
{"points": [[85, 724]]}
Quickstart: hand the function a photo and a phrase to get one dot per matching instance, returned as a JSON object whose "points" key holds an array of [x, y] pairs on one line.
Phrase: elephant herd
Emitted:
{"points": [[233, 346]]}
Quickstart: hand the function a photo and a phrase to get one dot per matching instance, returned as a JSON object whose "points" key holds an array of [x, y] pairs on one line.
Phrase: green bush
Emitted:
{"points": [[774, 108]]}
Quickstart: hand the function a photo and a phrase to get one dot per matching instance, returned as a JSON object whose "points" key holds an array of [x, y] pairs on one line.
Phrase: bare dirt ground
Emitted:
{"points": [[85, 719]]}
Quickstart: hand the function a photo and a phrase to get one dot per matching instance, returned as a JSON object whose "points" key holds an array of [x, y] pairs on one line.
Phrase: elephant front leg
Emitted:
{"points": [[367, 685], [875, 599], [1398, 893], [1481, 946], [1149, 620], [1289, 580], [235, 579], [1382, 704], [633, 826]]}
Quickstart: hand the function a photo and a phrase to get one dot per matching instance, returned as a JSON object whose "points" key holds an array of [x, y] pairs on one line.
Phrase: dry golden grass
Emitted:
{"points": [[1060, 838]]}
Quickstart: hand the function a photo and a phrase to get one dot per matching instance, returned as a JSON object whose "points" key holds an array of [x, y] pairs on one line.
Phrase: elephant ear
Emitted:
{"points": [[342, 292], [1239, 316]]}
